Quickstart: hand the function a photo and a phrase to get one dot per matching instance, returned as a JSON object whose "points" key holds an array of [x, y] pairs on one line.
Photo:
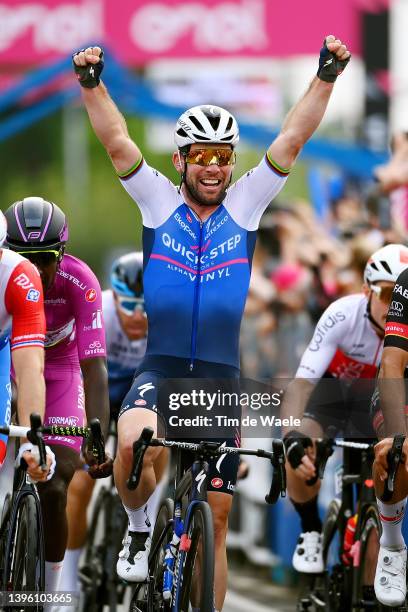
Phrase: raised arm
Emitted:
{"points": [[305, 117], [106, 119]]}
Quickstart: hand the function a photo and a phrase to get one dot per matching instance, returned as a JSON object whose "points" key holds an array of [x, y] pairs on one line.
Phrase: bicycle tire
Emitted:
{"points": [[200, 531], [370, 527], [21, 566], [91, 572], [149, 597], [4, 528], [316, 593], [337, 581]]}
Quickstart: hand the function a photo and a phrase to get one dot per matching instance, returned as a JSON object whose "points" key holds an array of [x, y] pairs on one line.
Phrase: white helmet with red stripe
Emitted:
{"points": [[386, 264], [3, 228]]}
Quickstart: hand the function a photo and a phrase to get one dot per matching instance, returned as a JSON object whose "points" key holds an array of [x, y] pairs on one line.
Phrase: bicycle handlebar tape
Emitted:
{"points": [[139, 449], [89, 76], [278, 484], [330, 67], [98, 443]]}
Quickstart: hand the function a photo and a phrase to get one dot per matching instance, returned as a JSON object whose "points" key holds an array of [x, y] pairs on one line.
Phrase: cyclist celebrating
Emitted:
{"points": [[75, 369], [390, 578], [346, 346], [198, 245], [22, 328]]}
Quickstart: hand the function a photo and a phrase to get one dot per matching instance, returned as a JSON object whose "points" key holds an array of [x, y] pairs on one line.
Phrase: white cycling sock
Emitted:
{"points": [[53, 570], [69, 576], [154, 500], [138, 519], [391, 516]]}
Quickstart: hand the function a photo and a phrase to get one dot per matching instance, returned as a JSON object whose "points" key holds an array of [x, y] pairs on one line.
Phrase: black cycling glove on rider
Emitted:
{"points": [[89, 75], [330, 67], [295, 443]]}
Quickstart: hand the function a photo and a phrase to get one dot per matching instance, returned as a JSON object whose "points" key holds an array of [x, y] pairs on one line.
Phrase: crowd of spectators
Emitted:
{"points": [[303, 262]]}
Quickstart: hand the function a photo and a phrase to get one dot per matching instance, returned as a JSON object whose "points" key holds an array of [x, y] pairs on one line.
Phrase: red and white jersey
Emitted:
{"points": [[21, 302], [344, 345]]}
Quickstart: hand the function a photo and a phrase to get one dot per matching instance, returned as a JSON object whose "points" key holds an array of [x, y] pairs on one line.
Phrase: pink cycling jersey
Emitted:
{"points": [[75, 331]]}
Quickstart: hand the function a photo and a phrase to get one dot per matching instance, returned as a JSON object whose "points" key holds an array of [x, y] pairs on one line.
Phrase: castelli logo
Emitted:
{"points": [[90, 295], [217, 483], [189, 219]]}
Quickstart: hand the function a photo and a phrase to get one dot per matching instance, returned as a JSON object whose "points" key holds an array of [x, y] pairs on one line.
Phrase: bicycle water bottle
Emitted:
{"points": [[169, 560], [349, 535]]}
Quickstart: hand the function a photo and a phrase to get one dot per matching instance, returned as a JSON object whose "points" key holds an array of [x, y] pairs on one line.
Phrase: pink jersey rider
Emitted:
{"points": [[75, 331]]}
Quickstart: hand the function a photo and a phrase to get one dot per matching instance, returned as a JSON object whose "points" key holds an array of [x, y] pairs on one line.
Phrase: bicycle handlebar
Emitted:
{"points": [[394, 458], [139, 449], [34, 435], [324, 450], [36, 432], [212, 449]]}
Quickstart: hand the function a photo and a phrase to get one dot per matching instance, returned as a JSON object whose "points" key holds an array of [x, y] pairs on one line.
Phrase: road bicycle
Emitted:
{"points": [[346, 583], [22, 558], [181, 560]]}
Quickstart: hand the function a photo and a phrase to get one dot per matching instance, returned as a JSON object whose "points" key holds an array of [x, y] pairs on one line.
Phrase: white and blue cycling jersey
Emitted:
{"points": [[196, 274], [124, 355]]}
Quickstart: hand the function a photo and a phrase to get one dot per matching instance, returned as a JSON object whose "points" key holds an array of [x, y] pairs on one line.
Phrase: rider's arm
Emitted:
{"points": [[95, 376], [110, 127], [305, 116], [28, 364], [391, 382], [24, 301], [90, 330], [316, 359]]}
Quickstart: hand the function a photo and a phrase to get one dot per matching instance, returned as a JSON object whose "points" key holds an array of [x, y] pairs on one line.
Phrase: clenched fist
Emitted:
{"points": [[88, 65]]}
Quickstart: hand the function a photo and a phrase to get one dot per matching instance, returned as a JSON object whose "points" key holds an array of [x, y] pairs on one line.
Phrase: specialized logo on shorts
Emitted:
{"points": [[217, 483], [145, 387], [90, 295], [200, 479], [97, 319], [140, 402], [33, 295]]}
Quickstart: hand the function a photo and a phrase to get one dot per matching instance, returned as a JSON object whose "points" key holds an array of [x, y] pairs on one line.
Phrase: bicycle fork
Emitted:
{"points": [[171, 553]]}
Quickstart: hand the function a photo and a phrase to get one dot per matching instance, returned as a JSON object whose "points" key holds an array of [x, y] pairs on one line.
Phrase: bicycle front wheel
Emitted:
{"points": [[365, 565], [196, 564], [25, 550]]}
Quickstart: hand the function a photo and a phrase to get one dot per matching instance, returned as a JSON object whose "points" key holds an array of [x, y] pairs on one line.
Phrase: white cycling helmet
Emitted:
{"points": [[206, 124], [386, 264], [3, 228]]}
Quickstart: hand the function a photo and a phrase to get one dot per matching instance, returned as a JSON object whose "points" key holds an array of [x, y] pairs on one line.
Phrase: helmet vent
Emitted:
{"points": [[374, 266], [229, 125], [182, 132], [386, 266], [215, 122], [201, 137], [196, 122]]}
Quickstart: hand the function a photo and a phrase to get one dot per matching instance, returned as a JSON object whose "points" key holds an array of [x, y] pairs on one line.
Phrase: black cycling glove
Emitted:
{"points": [[330, 67], [295, 443], [89, 75]]}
